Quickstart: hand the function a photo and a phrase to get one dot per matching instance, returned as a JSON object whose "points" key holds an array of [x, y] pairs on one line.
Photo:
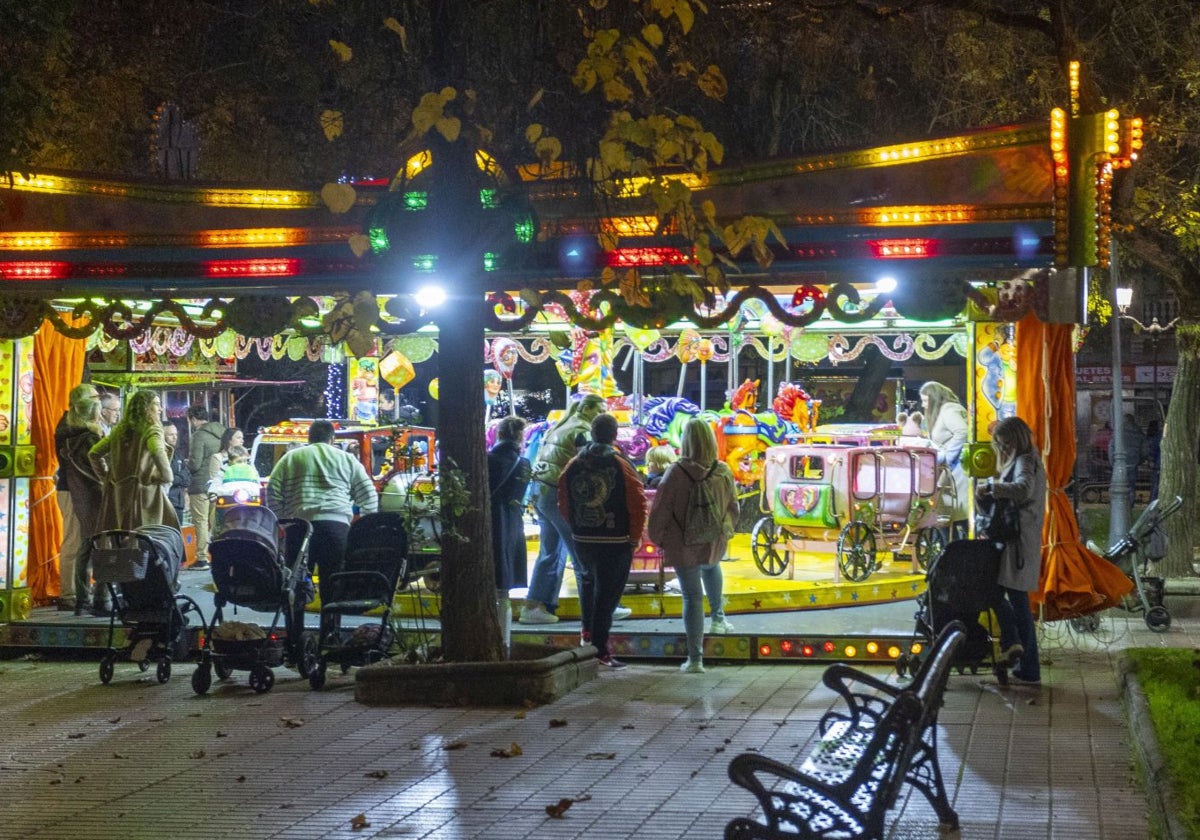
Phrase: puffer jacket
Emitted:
{"points": [[558, 447], [204, 443]]}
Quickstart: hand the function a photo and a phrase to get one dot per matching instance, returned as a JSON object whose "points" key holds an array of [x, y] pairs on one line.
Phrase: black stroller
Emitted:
{"points": [[258, 563], [376, 562], [140, 569], [961, 585], [1143, 545]]}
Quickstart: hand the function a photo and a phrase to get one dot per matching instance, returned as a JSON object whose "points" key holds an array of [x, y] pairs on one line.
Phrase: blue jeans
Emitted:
{"points": [[555, 544], [600, 590], [691, 581], [1016, 627]]}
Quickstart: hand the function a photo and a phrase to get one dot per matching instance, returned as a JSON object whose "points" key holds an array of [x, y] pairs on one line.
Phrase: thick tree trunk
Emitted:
{"points": [[861, 404], [1179, 442]]}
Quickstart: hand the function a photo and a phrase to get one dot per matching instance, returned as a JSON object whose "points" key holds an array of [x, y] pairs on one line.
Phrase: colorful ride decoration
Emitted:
{"points": [[797, 405], [587, 363], [16, 468], [854, 500]]}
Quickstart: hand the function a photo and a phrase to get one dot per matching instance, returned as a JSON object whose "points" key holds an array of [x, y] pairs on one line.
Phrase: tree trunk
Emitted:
{"points": [[1179, 441], [860, 406]]}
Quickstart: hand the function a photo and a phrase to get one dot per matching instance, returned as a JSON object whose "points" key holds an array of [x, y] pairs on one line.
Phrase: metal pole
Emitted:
{"points": [[1118, 487]]}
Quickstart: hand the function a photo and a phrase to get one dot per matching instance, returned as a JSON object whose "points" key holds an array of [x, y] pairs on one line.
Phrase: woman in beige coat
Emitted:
{"points": [[698, 567], [134, 465]]}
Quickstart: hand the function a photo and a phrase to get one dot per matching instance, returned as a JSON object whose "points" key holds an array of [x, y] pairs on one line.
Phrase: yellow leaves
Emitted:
{"points": [[513, 751], [359, 822], [631, 289], [752, 232], [652, 35], [342, 51], [431, 113], [712, 82], [338, 197], [397, 27], [360, 243], [331, 124]]}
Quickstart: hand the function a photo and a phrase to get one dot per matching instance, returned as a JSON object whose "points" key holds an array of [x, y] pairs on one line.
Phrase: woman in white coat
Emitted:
{"points": [[1022, 478], [698, 566], [946, 421]]}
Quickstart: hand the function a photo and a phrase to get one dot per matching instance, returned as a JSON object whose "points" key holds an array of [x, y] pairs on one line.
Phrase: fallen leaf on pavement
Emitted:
{"points": [[557, 810], [513, 750], [114, 720], [291, 723], [120, 755], [197, 754], [77, 735], [555, 723], [359, 822], [376, 774], [457, 745], [520, 715], [222, 734], [600, 756]]}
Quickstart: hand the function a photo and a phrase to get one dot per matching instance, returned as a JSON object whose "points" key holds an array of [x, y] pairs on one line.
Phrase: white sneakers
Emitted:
{"points": [[692, 666], [537, 614], [719, 626], [621, 613]]}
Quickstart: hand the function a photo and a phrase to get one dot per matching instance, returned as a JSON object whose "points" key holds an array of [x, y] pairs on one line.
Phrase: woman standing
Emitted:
{"points": [[698, 567], [508, 479], [1022, 478], [135, 468], [946, 420], [81, 432]]}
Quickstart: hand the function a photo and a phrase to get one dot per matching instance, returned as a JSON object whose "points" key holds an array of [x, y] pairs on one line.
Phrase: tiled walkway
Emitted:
{"points": [[640, 752]]}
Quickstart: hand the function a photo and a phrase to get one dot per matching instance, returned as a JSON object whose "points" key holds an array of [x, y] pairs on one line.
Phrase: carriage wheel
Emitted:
{"points": [[1158, 619], [763, 540], [163, 672], [202, 679], [856, 551], [261, 678], [931, 542], [106, 668]]}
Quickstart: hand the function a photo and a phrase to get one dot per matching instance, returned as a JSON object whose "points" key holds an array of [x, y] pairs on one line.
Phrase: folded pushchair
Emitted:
{"points": [[1134, 554], [960, 586], [141, 569], [258, 563], [376, 562]]}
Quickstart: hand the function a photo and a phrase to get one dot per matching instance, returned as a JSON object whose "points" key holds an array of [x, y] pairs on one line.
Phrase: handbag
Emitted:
{"points": [[1002, 522]]}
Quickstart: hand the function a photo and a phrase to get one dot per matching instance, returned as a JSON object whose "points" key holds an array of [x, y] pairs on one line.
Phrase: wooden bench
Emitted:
{"points": [[884, 737]]}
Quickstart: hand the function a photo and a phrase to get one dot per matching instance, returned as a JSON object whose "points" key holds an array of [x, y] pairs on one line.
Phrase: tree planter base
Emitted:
{"points": [[534, 674]]}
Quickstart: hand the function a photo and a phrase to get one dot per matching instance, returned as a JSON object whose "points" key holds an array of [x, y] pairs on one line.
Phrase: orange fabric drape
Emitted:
{"points": [[57, 368], [1075, 581]]}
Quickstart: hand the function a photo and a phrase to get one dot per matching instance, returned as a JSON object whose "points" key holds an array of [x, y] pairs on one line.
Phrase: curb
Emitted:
{"points": [[1160, 798]]}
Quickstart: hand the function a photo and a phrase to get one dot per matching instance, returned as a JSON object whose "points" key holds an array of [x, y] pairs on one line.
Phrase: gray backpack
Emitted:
{"points": [[704, 520]]}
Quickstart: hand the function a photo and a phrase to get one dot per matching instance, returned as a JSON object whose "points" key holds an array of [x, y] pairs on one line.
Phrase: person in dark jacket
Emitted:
{"points": [[177, 493], [76, 435], [204, 442], [72, 539], [509, 473], [601, 498]]}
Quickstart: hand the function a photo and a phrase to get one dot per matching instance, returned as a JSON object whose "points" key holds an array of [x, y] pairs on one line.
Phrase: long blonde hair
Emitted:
{"points": [[588, 401], [699, 444], [938, 395]]}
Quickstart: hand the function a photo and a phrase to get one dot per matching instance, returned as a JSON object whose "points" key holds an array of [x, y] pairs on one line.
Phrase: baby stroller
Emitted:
{"points": [[961, 584], [258, 563], [1144, 544], [376, 562], [140, 569]]}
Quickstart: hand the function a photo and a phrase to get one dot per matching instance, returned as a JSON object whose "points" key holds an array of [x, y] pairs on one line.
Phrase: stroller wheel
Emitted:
{"points": [[1001, 675], [1086, 623], [1158, 619], [201, 679], [106, 669], [261, 678], [163, 671], [902, 665], [307, 662], [316, 677], [224, 672], [143, 664]]}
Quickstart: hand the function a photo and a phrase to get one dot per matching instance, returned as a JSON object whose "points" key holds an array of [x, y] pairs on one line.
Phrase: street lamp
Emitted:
{"points": [[1118, 487], [1155, 330]]}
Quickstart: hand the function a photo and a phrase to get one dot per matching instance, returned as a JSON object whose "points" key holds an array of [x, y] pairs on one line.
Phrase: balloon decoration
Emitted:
{"points": [[433, 388], [505, 353], [396, 369]]}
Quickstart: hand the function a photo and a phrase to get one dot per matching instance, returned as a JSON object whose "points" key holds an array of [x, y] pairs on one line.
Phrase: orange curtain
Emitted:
{"points": [[1075, 581], [57, 368]]}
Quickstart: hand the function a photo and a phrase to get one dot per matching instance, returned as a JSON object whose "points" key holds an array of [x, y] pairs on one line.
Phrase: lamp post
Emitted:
{"points": [[1118, 487], [1155, 330]]}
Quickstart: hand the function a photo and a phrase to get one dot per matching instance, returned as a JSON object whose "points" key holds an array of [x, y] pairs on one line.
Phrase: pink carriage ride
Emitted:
{"points": [[857, 499]]}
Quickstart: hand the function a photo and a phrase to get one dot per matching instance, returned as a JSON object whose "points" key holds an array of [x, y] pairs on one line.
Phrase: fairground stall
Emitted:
{"points": [[953, 251]]}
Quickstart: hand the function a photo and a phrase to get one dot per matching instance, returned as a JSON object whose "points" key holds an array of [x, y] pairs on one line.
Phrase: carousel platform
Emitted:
{"points": [[803, 614]]}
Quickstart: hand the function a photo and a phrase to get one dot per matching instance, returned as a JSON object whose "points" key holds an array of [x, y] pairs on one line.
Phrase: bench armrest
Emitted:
{"points": [[744, 771], [844, 680]]}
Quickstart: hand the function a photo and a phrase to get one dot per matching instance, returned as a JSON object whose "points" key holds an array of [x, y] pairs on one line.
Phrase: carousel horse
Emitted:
{"points": [[795, 404], [745, 397]]}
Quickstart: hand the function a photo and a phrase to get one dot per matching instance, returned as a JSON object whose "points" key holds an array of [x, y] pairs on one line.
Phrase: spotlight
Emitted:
{"points": [[430, 297]]}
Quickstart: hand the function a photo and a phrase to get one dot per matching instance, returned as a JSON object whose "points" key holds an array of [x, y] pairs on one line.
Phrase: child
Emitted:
{"points": [[658, 458], [238, 470], [910, 425]]}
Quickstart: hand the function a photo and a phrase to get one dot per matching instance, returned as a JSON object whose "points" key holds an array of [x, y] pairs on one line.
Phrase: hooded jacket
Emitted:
{"points": [[600, 495], [205, 442]]}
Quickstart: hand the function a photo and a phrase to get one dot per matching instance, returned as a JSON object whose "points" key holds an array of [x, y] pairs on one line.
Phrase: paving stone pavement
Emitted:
{"points": [[641, 753]]}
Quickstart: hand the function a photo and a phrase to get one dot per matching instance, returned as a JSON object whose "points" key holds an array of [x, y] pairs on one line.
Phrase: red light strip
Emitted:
{"points": [[252, 268], [631, 257], [34, 270], [903, 249]]}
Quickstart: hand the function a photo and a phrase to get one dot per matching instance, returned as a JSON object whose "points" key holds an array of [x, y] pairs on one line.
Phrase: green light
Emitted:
{"points": [[379, 240], [489, 199], [425, 262], [416, 200], [489, 261], [523, 230]]}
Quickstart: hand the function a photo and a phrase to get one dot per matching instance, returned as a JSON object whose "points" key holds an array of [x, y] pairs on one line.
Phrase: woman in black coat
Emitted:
{"points": [[508, 477]]}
